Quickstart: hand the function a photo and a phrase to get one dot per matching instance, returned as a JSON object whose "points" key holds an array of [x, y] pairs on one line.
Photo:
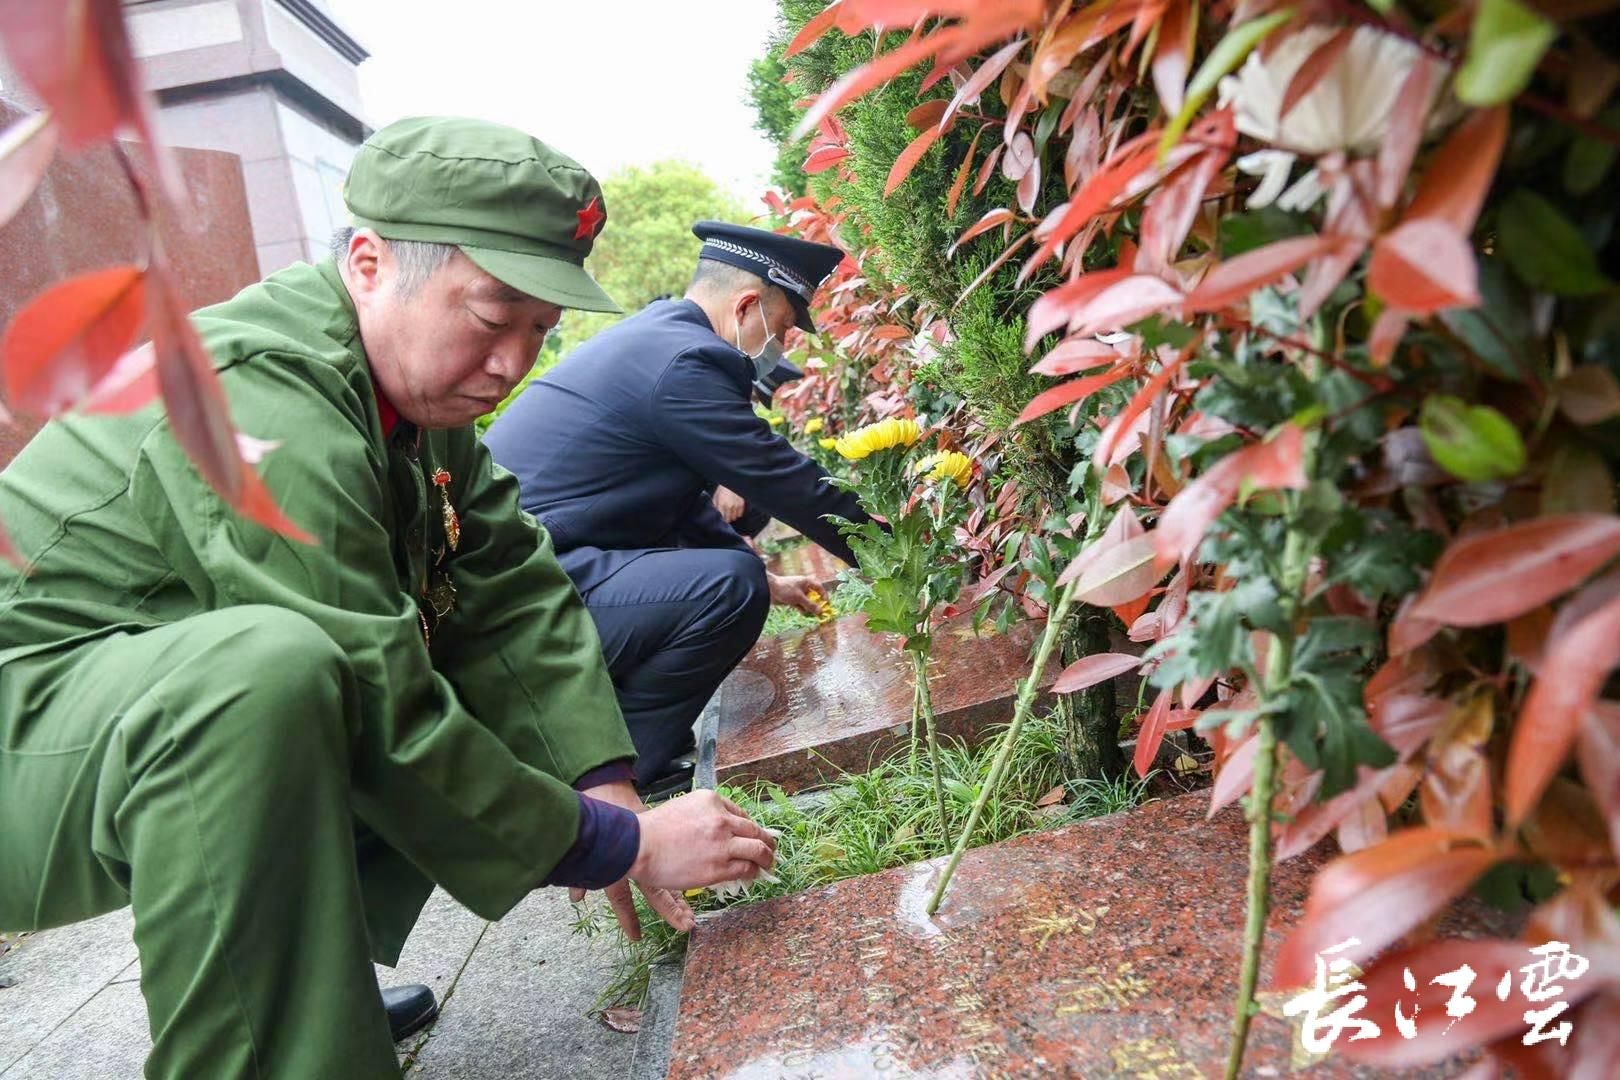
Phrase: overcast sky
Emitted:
{"points": [[609, 82]]}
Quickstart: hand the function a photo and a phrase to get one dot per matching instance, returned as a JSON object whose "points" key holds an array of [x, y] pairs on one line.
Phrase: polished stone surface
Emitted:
{"points": [[1107, 948], [803, 707], [83, 217], [808, 560]]}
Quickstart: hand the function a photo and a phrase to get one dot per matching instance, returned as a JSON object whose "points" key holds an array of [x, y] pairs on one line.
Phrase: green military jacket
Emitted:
{"points": [[470, 735]]}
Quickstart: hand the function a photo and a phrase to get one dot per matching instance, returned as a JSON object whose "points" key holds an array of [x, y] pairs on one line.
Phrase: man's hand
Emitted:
{"points": [[795, 591], [698, 840], [729, 503], [670, 906]]}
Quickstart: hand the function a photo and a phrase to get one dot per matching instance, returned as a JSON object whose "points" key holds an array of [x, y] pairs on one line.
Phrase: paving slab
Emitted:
{"points": [[1107, 948], [106, 1039], [521, 1007], [802, 708], [54, 974]]}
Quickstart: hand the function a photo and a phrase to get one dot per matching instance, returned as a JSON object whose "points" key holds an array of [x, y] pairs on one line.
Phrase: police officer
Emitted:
{"points": [[618, 448], [273, 749]]}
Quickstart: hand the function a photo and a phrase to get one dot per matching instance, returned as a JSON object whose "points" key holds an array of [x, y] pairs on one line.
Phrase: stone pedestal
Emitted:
{"points": [[1107, 948], [802, 708]]}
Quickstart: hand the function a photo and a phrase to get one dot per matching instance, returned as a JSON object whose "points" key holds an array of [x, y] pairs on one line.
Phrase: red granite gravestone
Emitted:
{"points": [[83, 217], [1106, 948], [808, 560], [801, 708]]}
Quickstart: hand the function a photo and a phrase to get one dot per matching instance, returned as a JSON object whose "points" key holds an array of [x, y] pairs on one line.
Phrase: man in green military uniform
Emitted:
{"points": [[271, 749]]}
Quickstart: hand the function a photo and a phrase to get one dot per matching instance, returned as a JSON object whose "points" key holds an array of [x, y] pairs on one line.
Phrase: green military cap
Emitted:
{"points": [[520, 210]]}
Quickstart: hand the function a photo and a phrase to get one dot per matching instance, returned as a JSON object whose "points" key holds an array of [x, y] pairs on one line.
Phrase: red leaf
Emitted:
{"points": [[1234, 279], [1316, 65], [1125, 302], [999, 216], [988, 168], [1425, 265], [130, 384], [1123, 527], [1094, 669], [1019, 158], [77, 57], [1438, 1036], [1386, 335], [1173, 55], [1119, 575], [1236, 776], [1573, 669], [811, 32], [1172, 210], [1406, 122], [1377, 895], [1053, 797], [26, 150], [1139, 404], [1458, 176], [198, 413], [67, 339], [1152, 733], [1096, 195], [1068, 393], [1600, 761], [1029, 187], [867, 77], [1277, 463], [960, 183], [908, 159], [1075, 354], [626, 1021], [927, 115], [823, 158], [986, 74], [1057, 307], [1493, 576]]}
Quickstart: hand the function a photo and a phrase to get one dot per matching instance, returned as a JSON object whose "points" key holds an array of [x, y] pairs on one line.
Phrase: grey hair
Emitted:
{"points": [[721, 279], [417, 260]]}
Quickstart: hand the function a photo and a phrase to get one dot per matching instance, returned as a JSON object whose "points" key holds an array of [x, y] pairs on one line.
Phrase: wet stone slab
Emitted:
{"points": [[1109, 948], [801, 708], [811, 561]]}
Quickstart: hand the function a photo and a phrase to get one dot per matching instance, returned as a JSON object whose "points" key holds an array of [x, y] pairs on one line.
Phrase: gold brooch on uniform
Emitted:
{"points": [[452, 523]]}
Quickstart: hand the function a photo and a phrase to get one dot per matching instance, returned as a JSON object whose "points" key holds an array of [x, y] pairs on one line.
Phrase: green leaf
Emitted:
{"points": [[1222, 60], [1504, 46], [1499, 330], [1347, 741], [1472, 442], [1257, 228], [1545, 249], [1589, 160]]}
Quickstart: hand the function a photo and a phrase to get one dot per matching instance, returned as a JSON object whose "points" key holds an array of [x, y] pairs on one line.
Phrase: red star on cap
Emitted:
{"points": [[590, 219]]}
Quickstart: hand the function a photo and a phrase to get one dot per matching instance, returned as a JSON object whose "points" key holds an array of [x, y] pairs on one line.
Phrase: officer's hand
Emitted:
{"points": [[698, 840], [729, 503], [795, 592], [669, 906]]}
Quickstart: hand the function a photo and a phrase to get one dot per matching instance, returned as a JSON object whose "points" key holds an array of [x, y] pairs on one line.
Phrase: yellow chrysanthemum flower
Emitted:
{"points": [[813, 425], [883, 435], [947, 465], [774, 421], [827, 444]]}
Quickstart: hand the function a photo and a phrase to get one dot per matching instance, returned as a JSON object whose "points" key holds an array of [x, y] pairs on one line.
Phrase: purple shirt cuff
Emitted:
{"points": [[606, 774], [605, 849]]}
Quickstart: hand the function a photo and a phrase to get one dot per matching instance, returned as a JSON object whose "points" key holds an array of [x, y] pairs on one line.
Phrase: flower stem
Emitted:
{"points": [[1279, 662], [925, 703], [1026, 702]]}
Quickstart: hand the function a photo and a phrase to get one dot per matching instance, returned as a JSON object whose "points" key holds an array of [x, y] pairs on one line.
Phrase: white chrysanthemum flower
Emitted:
{"points": [[1348, 110]]}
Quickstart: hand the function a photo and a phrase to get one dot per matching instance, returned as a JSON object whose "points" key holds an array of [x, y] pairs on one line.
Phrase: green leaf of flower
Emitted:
{"points": [[1472, 442], [1505, 44]]}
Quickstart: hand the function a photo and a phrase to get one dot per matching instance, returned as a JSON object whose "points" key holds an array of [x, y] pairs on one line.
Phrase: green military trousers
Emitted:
{"points": [[199, 772]]}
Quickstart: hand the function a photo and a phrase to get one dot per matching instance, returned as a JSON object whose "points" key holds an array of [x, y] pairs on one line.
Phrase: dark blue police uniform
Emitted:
{"points": [[616, 450]]}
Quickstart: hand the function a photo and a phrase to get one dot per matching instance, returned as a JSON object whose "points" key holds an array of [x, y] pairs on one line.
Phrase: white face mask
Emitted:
{"points": [[770, 353]]}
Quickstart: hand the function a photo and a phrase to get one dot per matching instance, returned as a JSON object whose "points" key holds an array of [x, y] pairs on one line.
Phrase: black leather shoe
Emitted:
{"points": [[410, 1009], [676, 780]]}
